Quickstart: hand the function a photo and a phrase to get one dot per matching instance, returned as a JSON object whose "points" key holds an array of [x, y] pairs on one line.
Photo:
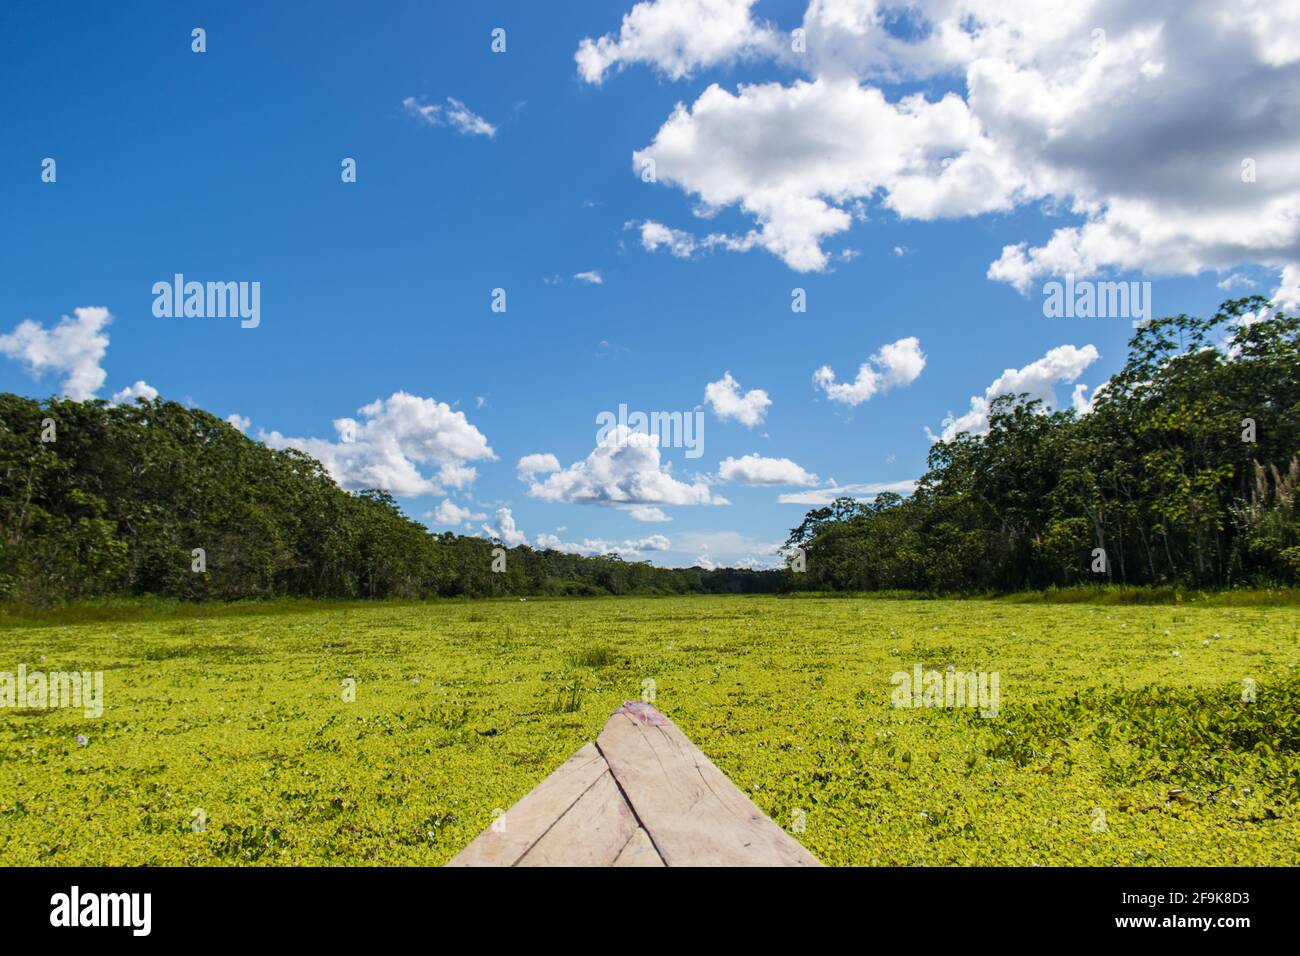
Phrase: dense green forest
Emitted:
{"points": [[1184, 472], [115, 499]]}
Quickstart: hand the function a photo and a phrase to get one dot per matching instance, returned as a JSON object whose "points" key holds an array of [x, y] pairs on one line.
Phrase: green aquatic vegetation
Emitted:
{"points": [[354, 734]]}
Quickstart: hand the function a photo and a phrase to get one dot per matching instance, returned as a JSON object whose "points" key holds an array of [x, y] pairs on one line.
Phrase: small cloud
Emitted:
{"points": [[1063, 364], [728, 402], [450, 514], [591, 277], [899, 363], [128, 395], [1236, 280], [503, 529], [539, 464], [647, 513], [73, 349], [454, 114], [757, 470], [238, 422], [861, 492]]}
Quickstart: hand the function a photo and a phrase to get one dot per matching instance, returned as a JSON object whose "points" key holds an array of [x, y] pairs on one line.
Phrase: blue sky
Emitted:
{"points": [[225, 166]]}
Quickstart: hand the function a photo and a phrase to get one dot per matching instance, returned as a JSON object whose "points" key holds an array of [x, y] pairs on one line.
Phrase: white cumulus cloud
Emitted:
{"points": [[141, 389], [538, 464], [450, 514], [728, 401], [393, 440], [623, 470], [628, 548], [73, 349], [677, 37], [504, 529], [895, 364], [1063, 364], [757, 470], [1099, 109]]}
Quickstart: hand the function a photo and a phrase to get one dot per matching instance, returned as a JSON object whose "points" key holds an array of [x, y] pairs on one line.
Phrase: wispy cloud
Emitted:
{"points": [[824, 496], [453, 113]]}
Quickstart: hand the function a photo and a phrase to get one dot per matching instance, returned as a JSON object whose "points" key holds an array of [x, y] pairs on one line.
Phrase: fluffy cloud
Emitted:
{"points": [[591, 277], [757, 470], [457, 475], [395, 437], [504, 529], [684, 245], [727, 401], [647, 513], [1236, 280], [821, 497], [1287, 295], [629, 548], [454, 114], [1094, 107], [1065, 363], [794, 156], [623, 470], [540, 464], [141, 389], [450, 514], [73, 349], [899, 363], [655, 234], [238, 421], [677, 36]]}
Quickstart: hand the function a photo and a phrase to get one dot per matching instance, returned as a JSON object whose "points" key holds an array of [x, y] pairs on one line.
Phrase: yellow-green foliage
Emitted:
{"points": [[463, 707]]}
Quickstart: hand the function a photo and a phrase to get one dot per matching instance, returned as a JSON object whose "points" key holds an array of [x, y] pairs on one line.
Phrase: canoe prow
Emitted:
{"points": [[641, 795]]}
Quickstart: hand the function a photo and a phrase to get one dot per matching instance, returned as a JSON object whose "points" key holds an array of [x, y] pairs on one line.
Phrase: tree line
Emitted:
{"points": [[159, 499], [1185, 471]]}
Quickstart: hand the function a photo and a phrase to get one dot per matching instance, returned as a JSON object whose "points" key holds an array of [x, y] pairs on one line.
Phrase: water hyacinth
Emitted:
{"points": [[797, 708]]}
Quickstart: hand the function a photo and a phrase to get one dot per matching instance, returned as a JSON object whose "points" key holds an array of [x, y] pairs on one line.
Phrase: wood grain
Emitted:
{"points": [[639, 851], [529, 819], [591, 833], [693, 813]]}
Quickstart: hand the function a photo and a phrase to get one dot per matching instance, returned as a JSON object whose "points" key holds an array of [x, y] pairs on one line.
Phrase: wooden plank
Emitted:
{"points": [[693, 813], [639, 851], [528, 820], [591, 833]]}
